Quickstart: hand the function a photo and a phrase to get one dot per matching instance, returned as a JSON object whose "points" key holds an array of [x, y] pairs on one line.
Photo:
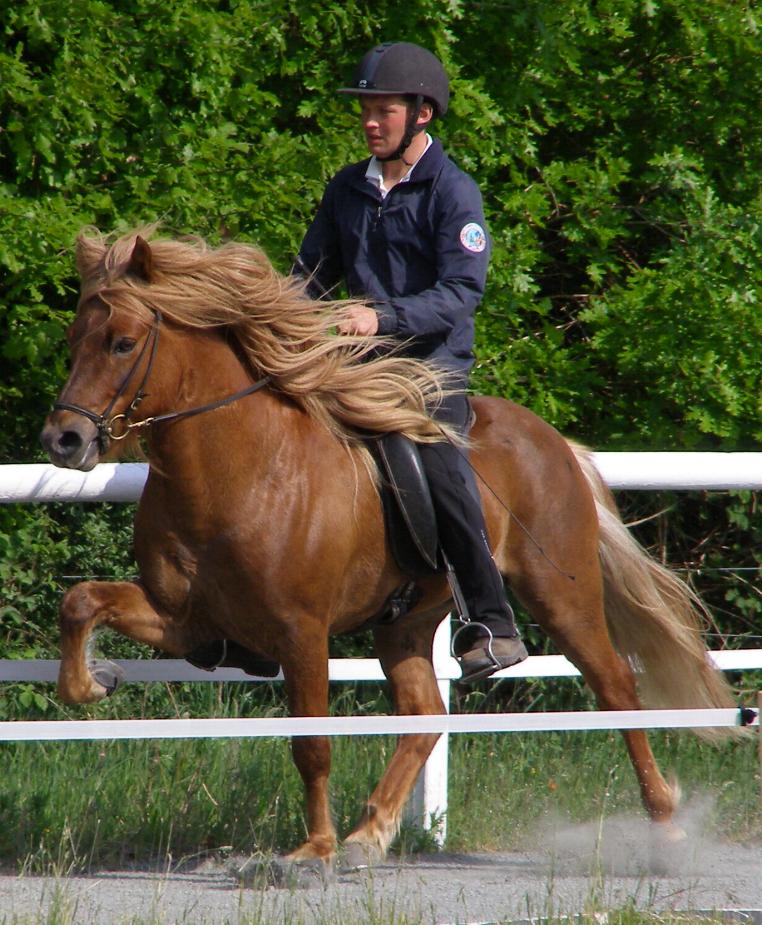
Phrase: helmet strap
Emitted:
{"points": [[411, 130]]}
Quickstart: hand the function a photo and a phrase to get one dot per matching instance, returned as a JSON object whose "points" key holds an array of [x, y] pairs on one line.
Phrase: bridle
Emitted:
{"points": [[113, 427]]}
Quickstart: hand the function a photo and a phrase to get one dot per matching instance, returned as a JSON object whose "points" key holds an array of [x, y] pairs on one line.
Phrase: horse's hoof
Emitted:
{"points": [[301, 875], [107, 674], [263, 872], [668, 848], [253, 872], [356, 856], [667, 834]]}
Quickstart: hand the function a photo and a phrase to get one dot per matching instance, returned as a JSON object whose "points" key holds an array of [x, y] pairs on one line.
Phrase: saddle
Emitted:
{"points": [[411, 525], [410, 522]]}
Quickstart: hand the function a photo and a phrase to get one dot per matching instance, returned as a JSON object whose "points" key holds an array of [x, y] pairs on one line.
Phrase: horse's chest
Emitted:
{"points": [[169, 568], [190, 578]]}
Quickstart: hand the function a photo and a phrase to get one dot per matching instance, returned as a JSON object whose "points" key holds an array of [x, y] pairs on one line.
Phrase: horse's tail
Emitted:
{"points": [[655, 619]]}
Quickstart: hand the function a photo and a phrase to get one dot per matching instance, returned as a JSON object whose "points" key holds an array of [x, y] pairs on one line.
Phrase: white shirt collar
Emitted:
{"points": [[374, 175]]}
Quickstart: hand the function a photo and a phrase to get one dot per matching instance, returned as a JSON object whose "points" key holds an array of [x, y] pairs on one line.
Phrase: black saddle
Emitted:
{"points": [[411, 524]]}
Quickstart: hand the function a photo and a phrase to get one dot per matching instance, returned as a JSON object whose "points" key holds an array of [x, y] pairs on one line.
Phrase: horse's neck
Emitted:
{"points": [[217, 456], [205, 370]]}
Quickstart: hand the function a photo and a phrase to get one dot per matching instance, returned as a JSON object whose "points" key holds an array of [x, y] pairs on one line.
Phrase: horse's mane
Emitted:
{"points": [[339, 380]]}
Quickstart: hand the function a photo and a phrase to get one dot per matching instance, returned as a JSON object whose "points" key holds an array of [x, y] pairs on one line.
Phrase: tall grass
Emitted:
{"points": [[75, 805]]}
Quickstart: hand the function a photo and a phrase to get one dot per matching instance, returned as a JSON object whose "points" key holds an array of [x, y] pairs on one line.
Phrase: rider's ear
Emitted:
{"points": [[141, 260], [425, 115]]}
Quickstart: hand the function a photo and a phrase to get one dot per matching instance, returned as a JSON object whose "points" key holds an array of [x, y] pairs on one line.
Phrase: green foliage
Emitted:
{"points": [[690, 378], [618, 146], [43, 551], [619, 155]]}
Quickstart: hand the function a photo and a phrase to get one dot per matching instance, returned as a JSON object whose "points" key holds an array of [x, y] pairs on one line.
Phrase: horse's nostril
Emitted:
{"points": [[69, 440], [70, 447]]}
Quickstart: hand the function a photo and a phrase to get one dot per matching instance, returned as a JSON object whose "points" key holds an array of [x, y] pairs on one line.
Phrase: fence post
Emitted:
{"points": [[427, 806]]}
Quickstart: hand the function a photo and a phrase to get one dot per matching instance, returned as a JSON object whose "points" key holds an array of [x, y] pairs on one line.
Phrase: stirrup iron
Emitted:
{"points": [[464, 617]]}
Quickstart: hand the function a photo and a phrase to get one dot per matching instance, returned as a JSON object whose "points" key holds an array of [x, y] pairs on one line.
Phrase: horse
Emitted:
{"points": [[261, 521]]}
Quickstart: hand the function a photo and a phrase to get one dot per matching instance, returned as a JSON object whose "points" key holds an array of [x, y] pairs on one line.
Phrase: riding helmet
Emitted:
{"points": [[402, 68]]}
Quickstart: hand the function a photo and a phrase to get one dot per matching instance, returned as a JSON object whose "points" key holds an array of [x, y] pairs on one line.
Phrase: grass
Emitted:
{"points": [[86, 804], [80, 805], [508, 784], [62, 908]]}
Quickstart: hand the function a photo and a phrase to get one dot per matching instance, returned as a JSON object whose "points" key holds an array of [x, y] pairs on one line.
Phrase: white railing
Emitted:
{"points": [[645, 471], [124, 483]]}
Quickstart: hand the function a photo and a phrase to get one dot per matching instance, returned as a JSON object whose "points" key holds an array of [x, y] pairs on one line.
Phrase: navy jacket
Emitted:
{"points": [[420, 255]]}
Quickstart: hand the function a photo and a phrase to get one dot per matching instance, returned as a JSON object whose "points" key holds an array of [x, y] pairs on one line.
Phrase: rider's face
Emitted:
{"points": [[383, 120]]}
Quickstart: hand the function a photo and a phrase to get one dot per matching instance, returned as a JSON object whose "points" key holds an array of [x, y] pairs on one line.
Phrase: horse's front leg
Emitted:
{"points": [[123, 607], [405, 655], [305, 669]]}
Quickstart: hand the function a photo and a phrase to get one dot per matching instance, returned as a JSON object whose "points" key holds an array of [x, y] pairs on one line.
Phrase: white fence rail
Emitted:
{"points": [[124, 483], [138, 670], [644, 471], [112, 729]]}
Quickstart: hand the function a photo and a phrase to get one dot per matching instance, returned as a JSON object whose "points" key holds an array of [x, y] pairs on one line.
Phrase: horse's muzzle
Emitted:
{"points": [[72, 444]]}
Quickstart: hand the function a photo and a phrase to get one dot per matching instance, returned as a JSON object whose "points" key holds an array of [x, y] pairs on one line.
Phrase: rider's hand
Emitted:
{"points": [[359, 320]]}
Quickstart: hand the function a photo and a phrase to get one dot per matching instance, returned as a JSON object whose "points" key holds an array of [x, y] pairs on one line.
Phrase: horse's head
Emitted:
{"points": [[230, 317], [112, 353]]}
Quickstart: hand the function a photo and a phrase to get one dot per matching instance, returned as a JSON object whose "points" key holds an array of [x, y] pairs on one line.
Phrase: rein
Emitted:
{"points": [[118, 426]]}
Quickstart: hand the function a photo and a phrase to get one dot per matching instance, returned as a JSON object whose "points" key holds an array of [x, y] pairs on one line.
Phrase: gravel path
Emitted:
{"points": [[578, 868]]}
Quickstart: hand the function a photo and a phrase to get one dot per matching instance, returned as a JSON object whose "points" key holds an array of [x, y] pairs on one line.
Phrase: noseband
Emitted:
{"points": [[118, 426]]}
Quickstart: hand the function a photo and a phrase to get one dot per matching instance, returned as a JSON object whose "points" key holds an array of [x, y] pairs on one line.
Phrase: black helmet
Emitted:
{"points": [[403, 69]]}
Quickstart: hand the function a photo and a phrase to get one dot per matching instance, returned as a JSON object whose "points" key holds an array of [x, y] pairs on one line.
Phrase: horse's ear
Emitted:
{"points": [[89, 254], [141, 260]]}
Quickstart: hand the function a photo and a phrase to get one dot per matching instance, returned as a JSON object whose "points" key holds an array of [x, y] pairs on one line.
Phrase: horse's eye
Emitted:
{"points": [[124, 345]]}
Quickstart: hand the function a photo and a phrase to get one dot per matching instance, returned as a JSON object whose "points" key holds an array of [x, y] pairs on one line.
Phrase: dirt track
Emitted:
{"points": [[577, 868]]}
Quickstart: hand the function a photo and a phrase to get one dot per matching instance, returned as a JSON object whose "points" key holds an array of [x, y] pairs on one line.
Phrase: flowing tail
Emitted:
{"points": [[654, 618]]}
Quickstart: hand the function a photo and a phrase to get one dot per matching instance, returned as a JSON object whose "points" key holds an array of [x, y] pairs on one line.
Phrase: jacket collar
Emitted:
{"points": [[430, 162], [426, 168]]}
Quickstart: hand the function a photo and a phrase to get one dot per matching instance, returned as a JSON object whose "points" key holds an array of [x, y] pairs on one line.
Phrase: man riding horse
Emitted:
{"points": [[405, 230]]}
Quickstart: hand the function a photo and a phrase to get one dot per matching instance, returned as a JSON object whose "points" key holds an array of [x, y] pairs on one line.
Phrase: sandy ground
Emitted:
{"points": [[570, 869]]}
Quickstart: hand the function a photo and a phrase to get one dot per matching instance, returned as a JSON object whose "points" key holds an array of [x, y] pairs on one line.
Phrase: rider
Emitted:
{"points": [[405, 230]]}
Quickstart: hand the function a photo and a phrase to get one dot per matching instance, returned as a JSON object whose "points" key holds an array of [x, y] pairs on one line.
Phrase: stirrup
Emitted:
{"points": [[470, 624]]}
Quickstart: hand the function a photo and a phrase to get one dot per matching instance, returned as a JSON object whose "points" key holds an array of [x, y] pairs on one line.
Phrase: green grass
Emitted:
{"points": [[74, 805], [507, 785]]}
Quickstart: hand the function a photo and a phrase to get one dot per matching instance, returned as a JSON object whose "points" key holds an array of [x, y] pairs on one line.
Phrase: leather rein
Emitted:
{"points": [[118, 426]]}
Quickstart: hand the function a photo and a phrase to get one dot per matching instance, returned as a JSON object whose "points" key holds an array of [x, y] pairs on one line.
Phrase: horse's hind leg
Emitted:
{"points": [[613, 684], [572, 615], [406, 659], [123, 607]]}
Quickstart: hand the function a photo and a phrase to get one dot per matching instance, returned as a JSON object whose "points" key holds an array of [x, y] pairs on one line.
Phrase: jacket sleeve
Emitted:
{"points": [[319, 259], [462, 256]]}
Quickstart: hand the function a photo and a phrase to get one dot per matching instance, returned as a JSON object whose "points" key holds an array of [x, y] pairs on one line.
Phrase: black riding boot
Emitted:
{"points": [[463, 535]]}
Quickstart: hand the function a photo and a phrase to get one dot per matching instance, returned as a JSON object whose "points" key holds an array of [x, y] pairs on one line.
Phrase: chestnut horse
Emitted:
{"points": [[261, 522]]}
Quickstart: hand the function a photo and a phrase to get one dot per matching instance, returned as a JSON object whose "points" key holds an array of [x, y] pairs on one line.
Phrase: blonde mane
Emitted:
{"points": [[340, 381]]}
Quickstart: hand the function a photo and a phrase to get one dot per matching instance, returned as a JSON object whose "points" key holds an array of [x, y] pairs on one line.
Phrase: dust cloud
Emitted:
{"points": [[629, 846]]}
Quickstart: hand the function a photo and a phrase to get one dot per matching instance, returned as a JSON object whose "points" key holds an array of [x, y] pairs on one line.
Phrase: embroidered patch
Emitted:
{"points": [[473, 238]]}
